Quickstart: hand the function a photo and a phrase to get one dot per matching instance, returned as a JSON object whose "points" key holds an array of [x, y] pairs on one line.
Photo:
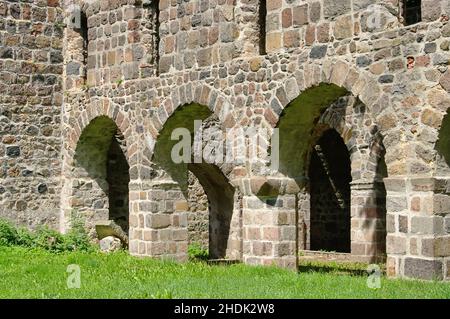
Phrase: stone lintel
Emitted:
{"points": [[267, 186]]}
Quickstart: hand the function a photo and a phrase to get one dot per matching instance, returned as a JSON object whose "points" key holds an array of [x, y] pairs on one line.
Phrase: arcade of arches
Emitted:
{"points": [[199, 203]]}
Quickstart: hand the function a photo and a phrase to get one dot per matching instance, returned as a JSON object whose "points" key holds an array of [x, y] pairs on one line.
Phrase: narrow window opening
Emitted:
{"points": [[412, 11], [81, 27], [262, 27], [152, 24]]}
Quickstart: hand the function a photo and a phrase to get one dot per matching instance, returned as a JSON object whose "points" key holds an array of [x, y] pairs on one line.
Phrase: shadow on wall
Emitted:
{"points": [[101, 172], [220, 204], [296, 125], [443, 146], [215, 184], [183, 117], [329, 185]]}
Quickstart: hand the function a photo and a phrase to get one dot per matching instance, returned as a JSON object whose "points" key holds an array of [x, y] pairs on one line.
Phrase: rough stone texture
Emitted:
{"points": [[67, 92], [31, 69], [109, 228], [110, 244], [198, 217]]}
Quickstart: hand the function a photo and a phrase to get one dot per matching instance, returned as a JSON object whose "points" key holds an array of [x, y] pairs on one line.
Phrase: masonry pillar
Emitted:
{"points": [[418, 225], [234, 245], [158, 220], [269, 223], [368, 221], [304, 220]]}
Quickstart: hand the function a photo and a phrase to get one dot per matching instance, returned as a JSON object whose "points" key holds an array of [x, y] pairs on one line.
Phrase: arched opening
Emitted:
{"points": [[220, 195], [100, 174], [329, 177], [118, 177], [329, 144], [212, 221]]}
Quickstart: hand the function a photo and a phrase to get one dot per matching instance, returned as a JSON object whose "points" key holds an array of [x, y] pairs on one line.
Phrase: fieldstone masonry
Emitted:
{"points": [[134, 70]]}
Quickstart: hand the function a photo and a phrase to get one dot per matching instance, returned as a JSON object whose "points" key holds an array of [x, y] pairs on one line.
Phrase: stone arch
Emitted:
{"points": [[321, 83], [96, 175], [94, 110], [172, 181], [301, 124], [333, 118], [188, 94]]}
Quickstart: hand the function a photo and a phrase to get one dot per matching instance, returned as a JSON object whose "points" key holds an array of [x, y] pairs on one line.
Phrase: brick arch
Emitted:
{"points": [[77, 176], [331, 119]]}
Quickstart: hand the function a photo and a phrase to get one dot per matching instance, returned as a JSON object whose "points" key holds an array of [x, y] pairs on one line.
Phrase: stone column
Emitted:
{"points": [[368, 221], [304, 220], [234, 246], [418, 225], [269, 223], [158, 220]]}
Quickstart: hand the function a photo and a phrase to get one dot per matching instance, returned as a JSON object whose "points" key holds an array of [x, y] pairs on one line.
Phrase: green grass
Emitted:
{"points": [[36, 273]]}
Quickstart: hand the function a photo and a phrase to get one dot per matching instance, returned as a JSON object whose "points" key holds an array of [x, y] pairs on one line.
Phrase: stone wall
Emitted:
{"points": [[31, 70], [395, 78], [398, 75], [329, 189], [198, 217], [118, 178]]}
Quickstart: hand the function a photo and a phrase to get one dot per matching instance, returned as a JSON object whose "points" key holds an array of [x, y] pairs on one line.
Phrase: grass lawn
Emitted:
{"points": [[26, 273]]}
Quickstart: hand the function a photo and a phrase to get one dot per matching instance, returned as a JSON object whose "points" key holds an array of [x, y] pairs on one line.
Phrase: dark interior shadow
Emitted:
{"points": [[330, 176], [220, 205], [100, 158]]}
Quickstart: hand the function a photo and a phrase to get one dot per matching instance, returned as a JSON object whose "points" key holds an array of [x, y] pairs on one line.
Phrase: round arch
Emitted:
{"points": [[96, 171], [302, 123], [192, 181]]}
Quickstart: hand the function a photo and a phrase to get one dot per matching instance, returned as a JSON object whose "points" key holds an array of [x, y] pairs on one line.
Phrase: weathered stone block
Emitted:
{"points": [[334, 8], [423, 269], [157, 221], [343, 28], [395, 245], [300, 15], [427, 225], [108, 228], [110, 244]]}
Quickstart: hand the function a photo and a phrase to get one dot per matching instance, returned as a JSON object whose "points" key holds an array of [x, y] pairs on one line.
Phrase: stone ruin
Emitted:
{"points": [[357, 91]]}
